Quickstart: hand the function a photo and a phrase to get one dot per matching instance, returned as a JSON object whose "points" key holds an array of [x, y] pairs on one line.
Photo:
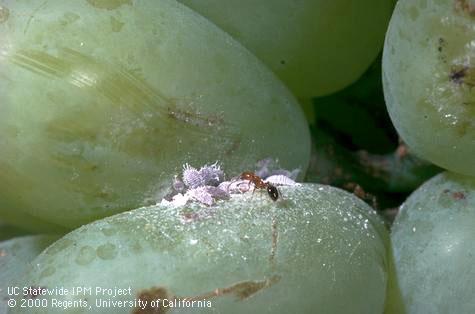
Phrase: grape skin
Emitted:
{"points": [[433, 240], [315, 46], [99, 108], [428, 77], [318, 247], [15, 256]]}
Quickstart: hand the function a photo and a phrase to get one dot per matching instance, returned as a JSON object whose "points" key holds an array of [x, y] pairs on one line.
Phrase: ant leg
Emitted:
{"points": [[243, 189], [249, 186]]}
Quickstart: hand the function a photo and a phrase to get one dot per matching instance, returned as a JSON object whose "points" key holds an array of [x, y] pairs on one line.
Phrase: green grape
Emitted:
{"points": [[103, 101], [428, 76], [317, 247], [433, 240], [315, 46], [15, 257]]}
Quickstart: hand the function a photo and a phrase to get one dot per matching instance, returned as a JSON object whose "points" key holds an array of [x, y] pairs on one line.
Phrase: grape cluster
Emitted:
{"points": [[103, 103]]}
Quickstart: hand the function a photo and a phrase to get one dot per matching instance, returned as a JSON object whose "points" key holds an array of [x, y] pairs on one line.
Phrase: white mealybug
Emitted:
{"points": [[280, 179], [192, 177], [211, 175]]}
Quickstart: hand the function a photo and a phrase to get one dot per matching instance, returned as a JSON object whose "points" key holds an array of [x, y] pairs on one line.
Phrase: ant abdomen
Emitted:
{"points": [[273, 192]]}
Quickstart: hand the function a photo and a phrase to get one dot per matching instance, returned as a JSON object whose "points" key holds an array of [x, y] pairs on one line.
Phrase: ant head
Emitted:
{"points": [[273, 192]]}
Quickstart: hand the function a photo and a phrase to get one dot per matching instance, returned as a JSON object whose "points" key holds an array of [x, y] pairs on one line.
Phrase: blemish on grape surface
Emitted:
{"points": [[457, 195], [108, 4], [69, 18], [86, 255], [448, 197], [465, 6], [194, 118], [116, 25], [4, 14], [107, 251], [241, 290], [153, 294], [109, 231], [441, 45], [48, 272], [457, 75]]}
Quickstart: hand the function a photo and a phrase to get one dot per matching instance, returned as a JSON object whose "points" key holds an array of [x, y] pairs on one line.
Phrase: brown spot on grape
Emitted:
{"points": [[116, 24], [463, 127], [108, 4], [4, 14], [458, 196], [153, 294], [465, 7], [457, 75], [69, 18], [441, 44], [3, 253], [241, 290], [462, 75], [194, 118]]}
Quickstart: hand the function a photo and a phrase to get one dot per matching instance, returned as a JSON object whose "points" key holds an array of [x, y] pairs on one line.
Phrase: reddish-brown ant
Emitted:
{"points": [[260, 184]]}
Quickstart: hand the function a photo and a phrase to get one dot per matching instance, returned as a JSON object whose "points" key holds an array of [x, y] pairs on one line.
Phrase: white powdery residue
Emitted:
{"points": [[217, 193], [201, 195], [178, 200]]}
